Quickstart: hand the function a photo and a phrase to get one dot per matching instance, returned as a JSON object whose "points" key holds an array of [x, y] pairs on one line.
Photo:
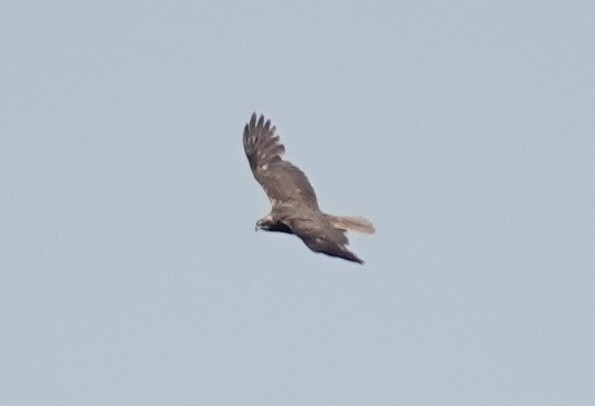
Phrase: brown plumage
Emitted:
{"points": [[294, 205]]}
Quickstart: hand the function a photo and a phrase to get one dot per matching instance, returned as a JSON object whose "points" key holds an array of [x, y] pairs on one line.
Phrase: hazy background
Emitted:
{"points": [[130, 272]]}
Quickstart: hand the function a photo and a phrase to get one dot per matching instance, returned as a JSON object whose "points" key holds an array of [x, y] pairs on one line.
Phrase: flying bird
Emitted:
{"points": [[294, 205]]}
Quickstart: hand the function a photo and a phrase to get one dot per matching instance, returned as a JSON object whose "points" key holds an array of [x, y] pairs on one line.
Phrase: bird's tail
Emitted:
{"points": [[354, 223]]}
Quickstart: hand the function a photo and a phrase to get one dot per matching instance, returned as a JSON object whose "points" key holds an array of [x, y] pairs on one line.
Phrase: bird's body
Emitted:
{"points": [[294, 204]]}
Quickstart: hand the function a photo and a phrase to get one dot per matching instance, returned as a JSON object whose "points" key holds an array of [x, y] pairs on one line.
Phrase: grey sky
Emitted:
{"points": [[130, 272]]}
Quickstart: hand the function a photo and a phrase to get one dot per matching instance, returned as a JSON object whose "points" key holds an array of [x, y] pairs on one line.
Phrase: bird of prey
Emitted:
{"points": [[294, 205]]}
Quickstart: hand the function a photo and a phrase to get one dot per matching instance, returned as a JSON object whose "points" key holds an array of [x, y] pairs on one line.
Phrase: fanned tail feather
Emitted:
{"points": [[353, 223]]}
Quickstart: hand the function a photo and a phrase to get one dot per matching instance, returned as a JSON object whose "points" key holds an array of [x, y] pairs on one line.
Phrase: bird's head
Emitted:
{"points": [[264, 223]]}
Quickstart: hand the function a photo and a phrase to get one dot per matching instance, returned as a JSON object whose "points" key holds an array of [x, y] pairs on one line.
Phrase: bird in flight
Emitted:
{"points": [[294, 205]]}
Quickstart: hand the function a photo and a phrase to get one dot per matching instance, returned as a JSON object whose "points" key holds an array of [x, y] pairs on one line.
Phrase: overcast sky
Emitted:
{"points": [[130, 272]]}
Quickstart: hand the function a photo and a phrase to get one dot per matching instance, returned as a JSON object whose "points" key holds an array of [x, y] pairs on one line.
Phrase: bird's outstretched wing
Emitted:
{"points": [[320, 236], [283, 182]]}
